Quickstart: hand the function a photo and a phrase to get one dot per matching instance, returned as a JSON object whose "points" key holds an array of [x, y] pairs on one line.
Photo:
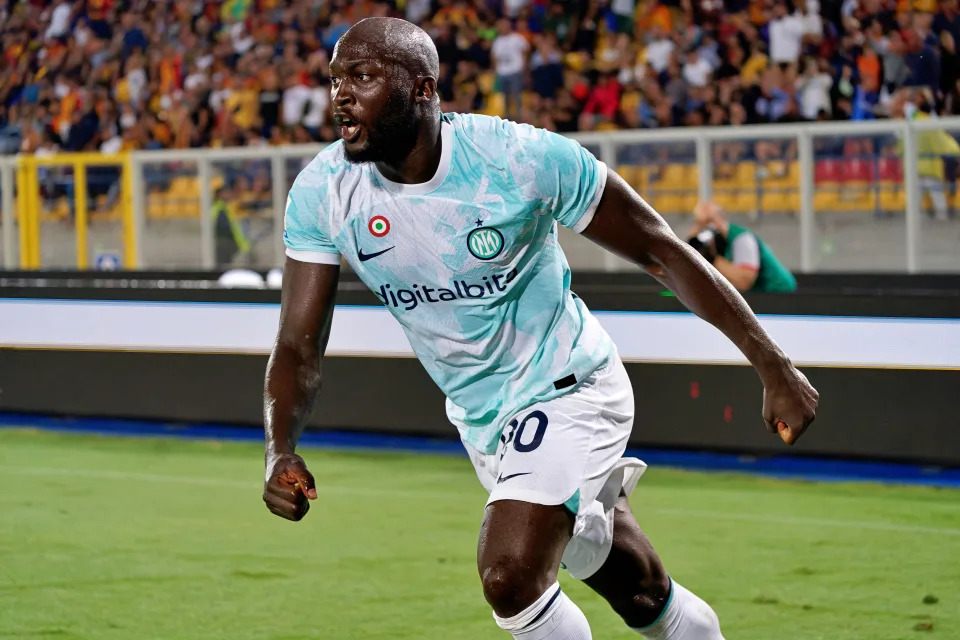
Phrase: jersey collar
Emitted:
{"points": [[446, 154]]}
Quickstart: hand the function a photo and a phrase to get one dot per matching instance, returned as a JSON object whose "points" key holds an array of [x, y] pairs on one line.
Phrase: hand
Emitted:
{"points": [[288, 487], [705, 249], [789, 404]]}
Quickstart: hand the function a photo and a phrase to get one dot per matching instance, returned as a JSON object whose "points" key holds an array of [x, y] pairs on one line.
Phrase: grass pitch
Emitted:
{"points": [[104, 539]]}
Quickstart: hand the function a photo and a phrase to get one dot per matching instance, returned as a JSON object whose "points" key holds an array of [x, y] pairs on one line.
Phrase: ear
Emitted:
{"points": [[425, 88]]}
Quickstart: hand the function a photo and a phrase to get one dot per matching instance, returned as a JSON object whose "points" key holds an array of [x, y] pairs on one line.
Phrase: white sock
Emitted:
{"points": [[686, 617], [553, 616]]}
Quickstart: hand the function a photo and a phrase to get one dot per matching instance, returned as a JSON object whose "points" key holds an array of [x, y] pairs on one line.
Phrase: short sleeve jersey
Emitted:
{"points": [[468, 262]]}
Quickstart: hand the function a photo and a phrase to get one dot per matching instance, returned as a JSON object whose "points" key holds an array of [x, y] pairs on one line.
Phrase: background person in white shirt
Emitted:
{"points": [[786, 34], [509, 54]]}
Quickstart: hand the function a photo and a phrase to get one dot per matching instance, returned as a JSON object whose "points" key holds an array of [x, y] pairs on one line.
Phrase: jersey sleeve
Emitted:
{"points": [[746, 251], [304, 233], [567, 180]]}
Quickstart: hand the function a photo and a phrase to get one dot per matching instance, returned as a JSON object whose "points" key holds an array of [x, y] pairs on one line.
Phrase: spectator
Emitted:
{"points": [[509, 54], [546, 67], [243, 72], [738, 253], [696, 71], [814, 89], [786, 34]]}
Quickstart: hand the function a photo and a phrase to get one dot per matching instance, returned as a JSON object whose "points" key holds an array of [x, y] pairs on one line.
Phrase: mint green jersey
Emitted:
{"points": [[469, 262]]}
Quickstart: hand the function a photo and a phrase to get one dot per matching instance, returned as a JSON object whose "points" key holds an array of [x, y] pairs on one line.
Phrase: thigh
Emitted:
{"points": [[633, 579], [519, 552], [534, 533]]}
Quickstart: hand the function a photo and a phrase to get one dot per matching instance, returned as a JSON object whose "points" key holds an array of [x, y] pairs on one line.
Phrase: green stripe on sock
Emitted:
{"points": [[662, 611]]}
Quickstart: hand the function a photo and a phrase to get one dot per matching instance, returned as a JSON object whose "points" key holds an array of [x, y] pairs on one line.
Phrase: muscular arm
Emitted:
{"points": [[293, 381], [630, 228]]}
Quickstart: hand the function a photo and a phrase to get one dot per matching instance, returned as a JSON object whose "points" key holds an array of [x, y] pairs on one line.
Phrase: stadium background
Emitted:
{"points": [[147, 149]]}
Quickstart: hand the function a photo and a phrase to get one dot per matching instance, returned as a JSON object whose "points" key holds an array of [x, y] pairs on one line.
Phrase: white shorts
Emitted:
{"points": [[569, 451]]}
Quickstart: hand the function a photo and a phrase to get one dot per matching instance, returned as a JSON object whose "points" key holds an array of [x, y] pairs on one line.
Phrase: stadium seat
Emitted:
{"points": [[856, 171], [826, 171], [633, 176], [892, 199], [495, 104], [775, 202], [825, 199], [889, 170], [486, 82]]}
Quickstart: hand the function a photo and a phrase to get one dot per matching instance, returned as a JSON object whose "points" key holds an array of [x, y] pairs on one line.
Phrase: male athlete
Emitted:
{"points": [[452, 221]]}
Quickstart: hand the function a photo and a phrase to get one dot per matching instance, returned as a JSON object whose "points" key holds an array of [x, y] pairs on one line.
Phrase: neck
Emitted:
{"points": [[420, 165]]}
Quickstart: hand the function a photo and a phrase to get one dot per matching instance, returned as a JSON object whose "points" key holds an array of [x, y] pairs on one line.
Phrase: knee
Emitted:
{"points": [[639, 607], [510, 587]]}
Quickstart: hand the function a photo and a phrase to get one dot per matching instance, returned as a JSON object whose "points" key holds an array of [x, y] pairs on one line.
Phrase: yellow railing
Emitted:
{"points": [[28, 186]]}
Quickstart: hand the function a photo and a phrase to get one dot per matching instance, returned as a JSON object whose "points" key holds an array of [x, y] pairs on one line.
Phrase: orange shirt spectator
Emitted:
{"points": [[651, 14], [869, 66]]}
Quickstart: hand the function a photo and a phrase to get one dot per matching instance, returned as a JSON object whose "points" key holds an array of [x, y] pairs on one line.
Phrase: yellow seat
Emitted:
{"points": [[745, 201], [892, 200], [727, 200], [855, 199], [495, 104], [746, 174], [633, 176], [775, 201], [486, 82], [668, 203], [825, 199]]}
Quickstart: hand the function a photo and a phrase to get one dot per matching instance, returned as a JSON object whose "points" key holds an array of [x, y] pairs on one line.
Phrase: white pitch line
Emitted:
{"points": [[327, 489]]}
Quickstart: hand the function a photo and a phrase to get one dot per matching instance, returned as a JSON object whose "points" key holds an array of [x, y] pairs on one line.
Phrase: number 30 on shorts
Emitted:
{"points": [[517, 430]]}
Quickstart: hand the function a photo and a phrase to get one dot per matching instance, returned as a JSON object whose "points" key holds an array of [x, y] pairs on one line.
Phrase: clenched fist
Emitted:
{"points": [[789, 404], [289, 486]]}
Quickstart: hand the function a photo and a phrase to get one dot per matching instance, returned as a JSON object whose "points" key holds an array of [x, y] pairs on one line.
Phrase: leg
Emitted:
{"points": [[632, 579], [635, 583], [518, 557]]}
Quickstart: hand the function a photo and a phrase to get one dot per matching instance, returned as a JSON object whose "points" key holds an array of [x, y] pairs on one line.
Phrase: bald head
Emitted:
{"points": [[392, 40]]}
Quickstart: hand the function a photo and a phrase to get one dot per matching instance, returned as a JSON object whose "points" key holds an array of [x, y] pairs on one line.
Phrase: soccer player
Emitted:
{"points": [[451, 220]]}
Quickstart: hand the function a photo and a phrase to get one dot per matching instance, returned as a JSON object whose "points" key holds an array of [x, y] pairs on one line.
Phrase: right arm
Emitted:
{"points": [[293, 382]]}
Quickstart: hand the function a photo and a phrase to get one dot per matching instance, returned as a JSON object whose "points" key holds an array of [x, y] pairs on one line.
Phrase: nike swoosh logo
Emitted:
{"points": [[503, 479], [369, 256]]}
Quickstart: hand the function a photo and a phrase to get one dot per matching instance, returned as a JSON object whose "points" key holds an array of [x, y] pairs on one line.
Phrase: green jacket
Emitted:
{"points": [[773, 276]]}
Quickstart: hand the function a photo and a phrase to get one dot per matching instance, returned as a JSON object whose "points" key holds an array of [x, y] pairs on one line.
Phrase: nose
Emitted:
{"points": [[342, 95]]}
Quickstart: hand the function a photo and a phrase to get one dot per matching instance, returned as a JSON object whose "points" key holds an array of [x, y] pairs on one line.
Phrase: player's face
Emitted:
{"points": [[373, 110]]}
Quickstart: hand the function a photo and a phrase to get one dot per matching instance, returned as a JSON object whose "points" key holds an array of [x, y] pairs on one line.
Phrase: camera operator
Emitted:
{"points": [[737, 253]]}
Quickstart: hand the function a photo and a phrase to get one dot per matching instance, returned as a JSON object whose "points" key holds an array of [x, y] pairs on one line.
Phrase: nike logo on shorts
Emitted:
{"points": [[503, 479], [369, 256]]}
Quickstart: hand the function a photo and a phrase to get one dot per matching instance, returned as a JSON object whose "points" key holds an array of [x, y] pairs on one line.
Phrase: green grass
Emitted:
{"points": [[107, 539]]}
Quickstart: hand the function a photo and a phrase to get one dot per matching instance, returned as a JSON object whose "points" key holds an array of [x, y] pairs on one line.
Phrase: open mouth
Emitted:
{"points": [[349, 130]]}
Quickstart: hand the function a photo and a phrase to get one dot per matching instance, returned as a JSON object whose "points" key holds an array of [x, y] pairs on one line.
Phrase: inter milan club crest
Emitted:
{"points": [[485, 243], [379, 226]]}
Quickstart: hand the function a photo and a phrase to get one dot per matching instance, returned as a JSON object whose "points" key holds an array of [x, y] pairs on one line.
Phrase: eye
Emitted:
{"points": [[334, 80], [364, 77]]}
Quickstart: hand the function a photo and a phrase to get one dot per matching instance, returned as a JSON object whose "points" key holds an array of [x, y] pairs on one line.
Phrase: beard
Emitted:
{"points": [[393, 136]]}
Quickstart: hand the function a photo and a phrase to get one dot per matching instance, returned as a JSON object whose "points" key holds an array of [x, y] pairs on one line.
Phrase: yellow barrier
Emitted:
{"points": [[28, 186]]}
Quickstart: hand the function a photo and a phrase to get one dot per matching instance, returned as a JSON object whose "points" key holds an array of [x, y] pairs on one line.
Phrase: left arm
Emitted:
{"points": [[629, 227], [742, 278], [744, 267]]}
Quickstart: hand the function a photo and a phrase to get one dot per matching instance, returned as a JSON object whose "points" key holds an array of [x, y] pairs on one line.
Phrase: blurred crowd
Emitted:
{"points": [[108, 75]]}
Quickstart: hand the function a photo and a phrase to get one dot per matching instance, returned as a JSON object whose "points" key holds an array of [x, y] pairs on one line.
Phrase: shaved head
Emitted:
{"points": [[395, 41], [384, 89]]}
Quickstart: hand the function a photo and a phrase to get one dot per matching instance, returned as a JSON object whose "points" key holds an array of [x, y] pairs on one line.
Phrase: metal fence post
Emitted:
{"points": [[704, 169], [806, 160], [911, 184], [7, 204], [135, 182], [279, 186], [608, 154], [208, 257]]}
